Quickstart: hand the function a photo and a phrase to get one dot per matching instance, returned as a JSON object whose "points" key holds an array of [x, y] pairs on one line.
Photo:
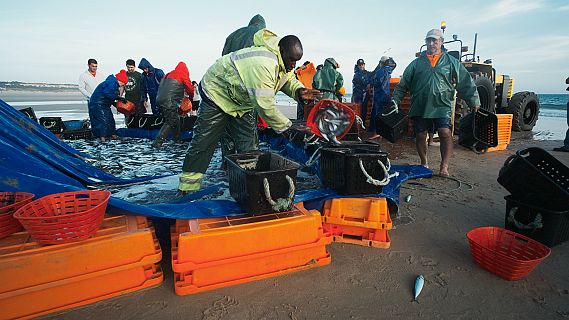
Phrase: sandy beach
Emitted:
{"points": [[429, 238]]}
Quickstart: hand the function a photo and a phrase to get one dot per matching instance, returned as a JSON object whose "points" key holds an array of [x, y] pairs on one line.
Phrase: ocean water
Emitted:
{"points": [[551, 125]]}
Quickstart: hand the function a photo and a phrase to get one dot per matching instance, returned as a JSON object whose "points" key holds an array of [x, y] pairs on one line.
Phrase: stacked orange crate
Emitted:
{"points": [[362, 221], [122, 257], [219, 252], [504, 132]]}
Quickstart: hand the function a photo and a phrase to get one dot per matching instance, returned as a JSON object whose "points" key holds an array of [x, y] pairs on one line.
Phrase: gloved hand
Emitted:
{"points": [[309, 94]]}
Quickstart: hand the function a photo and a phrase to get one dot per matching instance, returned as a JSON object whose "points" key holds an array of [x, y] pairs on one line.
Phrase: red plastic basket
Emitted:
{"points": [[323, 105], [507, 254], [9, 203], [64, 217]]}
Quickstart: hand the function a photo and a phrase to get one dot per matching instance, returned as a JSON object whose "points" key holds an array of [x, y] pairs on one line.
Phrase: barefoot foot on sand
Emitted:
{"points": [[443, 172]]}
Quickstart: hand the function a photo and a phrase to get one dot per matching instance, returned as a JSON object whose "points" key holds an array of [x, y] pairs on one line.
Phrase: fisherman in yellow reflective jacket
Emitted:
{"points": [[234, 86]]}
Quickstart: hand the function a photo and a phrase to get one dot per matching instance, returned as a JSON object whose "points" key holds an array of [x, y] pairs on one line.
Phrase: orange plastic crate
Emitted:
{"points": [[219, 252], [251, 268], [504, 132], [361, 221], [81, 290], [375, 238], [202, 241], [371, 213], [120, 241]]}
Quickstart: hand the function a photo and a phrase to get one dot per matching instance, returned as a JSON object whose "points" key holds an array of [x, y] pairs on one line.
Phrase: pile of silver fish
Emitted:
{"points": [[332, 121]]}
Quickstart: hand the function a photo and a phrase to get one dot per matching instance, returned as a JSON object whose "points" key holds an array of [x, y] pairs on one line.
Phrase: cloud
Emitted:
{"points": [[563, 8], [501, 10]]}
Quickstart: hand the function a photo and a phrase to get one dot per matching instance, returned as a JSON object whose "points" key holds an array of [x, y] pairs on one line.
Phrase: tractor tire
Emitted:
{"points": [[486, 91], [524, 106]]}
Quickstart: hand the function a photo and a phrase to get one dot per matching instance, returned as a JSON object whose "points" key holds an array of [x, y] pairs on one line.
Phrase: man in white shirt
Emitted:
{"points": [[90, 79]]}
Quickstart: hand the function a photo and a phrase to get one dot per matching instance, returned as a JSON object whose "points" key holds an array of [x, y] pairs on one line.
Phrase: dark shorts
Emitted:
{"points": [[430, 125]]}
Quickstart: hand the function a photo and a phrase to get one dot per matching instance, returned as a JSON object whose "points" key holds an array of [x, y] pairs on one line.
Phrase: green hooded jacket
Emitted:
{"points": [[250, 78], [432, 89], [243, 37], [328, 79]]}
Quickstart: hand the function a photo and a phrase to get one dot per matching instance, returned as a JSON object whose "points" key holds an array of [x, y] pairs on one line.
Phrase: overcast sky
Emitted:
{"points": [[50, 41]]}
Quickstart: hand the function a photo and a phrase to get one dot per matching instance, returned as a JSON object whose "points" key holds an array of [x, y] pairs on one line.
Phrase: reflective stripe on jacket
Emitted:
{"points": [[250, 78]]}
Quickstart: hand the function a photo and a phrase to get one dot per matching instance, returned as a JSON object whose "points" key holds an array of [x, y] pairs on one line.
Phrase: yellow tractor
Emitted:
{"points": [[496, 91]]}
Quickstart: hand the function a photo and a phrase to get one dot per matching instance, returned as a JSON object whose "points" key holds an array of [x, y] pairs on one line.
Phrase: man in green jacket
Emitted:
{"points": [[432, 79], [243, 37], [329, 80], [232, 88]]}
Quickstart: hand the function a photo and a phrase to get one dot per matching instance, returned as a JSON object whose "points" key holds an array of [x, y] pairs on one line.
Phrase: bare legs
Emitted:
{"points": [[421, 144], [446, 149]]}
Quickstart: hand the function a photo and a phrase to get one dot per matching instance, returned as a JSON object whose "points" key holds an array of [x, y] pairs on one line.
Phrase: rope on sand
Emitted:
{"points": [[425, 187]]}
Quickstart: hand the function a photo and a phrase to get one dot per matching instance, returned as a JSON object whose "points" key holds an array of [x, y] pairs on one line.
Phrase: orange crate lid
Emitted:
{"points": [[121, 240]]}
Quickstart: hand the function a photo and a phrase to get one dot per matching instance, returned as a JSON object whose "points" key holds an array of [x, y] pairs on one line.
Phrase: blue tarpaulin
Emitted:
{"points": [[34, 160]]}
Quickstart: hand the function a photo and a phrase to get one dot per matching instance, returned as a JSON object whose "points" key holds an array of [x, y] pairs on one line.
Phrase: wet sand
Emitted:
{"points": [[429, 238]]}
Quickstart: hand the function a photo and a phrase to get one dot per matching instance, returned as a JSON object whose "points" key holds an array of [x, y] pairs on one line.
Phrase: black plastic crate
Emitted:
{"points": [[29, 112], [478, 130], [549, 226], [187, 123], [340, 169], [246, 174], [144, 121], [77, 134], [392, 127], [536, 174], [76, 125], [53, 124]]}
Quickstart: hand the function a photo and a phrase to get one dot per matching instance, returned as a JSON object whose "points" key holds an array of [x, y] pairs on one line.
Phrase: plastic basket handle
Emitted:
{"points": [[157, 122], [247, 164], [314, 157], [506, 164], [49, 124], [386, 176], [282, 204], [535, 224], [360, 122]]}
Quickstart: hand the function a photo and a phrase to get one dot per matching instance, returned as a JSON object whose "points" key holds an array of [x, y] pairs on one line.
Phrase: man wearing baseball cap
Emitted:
{"points": [[432, 79], [360, 82]]}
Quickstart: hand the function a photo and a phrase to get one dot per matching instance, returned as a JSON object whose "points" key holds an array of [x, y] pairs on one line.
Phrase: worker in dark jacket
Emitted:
{"points": [[243, 37], [169, 99], [149, 83], [100, 114], [360, 83], [329, 80], [381, 94]]}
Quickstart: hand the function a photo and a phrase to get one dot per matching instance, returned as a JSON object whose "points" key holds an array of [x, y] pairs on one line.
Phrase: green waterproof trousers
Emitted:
{"points": [[210, 125], [171, 124]]}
